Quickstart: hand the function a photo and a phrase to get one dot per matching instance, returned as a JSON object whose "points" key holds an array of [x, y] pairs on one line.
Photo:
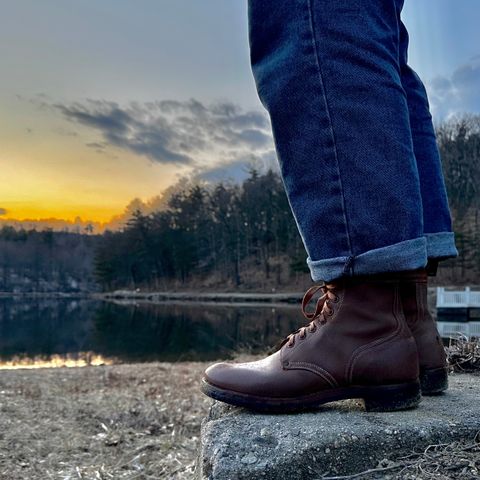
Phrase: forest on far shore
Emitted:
{"points": [[224, 236]]}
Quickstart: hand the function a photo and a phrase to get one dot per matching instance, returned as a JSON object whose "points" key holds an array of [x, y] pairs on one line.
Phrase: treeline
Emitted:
{"points": [[240, 234], [224, 235], [459, 144], [46, 261], [208, 234]]}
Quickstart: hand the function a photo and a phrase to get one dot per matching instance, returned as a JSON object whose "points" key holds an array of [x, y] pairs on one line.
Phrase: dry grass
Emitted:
{"points": [[459, 460], [464, 354], [142, 421], [113, 422]]}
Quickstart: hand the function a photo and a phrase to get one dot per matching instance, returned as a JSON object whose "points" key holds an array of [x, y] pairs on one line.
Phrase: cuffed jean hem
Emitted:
{"points": [[406, 255], [441, 245]]}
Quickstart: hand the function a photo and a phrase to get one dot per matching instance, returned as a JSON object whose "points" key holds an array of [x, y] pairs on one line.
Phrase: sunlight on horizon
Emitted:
{"points": [[90, 121], [80, 359]]}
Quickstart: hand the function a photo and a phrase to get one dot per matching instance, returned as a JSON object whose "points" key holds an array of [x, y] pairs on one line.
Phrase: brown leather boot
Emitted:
{"points": [[357, 345], [431, 353]]}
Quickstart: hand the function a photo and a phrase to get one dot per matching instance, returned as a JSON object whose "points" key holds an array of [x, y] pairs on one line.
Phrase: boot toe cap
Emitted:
{"points": [[262, 378], [248, 377]]}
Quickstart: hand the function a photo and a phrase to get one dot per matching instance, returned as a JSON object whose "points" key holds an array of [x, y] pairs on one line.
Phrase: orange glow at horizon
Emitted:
{"points": [[31, 211], [48, 176]]}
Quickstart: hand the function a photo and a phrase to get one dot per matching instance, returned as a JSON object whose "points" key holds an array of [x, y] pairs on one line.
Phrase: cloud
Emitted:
{"points": [[97, 145], [65, 132], [457, 94], [238, 169], [3, 211], [176, 132]]}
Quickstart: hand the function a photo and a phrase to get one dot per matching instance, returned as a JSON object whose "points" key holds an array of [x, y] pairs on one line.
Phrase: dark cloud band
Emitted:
{"points": [[172, 131]]}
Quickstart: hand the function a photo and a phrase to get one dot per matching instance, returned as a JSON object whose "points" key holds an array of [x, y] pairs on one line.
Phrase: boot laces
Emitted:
{"points": [[323, 310]]}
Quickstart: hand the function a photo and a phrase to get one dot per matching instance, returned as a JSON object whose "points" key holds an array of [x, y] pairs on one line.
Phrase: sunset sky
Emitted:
{"points": [[104, 101]]}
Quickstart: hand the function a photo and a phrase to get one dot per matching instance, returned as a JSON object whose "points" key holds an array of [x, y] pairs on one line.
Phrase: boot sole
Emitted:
{"points": [[433, 381], [384, 398]]}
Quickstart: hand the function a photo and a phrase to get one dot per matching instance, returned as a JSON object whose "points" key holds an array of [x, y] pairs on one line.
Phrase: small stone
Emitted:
{"points": [[327, 450], [249, 459], [265, 432]]}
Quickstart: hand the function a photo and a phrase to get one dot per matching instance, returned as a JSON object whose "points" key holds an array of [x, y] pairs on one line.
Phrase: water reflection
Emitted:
{"points": [[41, 329], [55, 332], [79, 359]]}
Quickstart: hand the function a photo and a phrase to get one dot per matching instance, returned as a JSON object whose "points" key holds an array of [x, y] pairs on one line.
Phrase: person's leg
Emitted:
{"points": [[437, 222], [327, 71]]}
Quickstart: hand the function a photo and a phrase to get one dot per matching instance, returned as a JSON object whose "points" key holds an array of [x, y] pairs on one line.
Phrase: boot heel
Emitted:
{"points": [[433, 381], [389, 398]]}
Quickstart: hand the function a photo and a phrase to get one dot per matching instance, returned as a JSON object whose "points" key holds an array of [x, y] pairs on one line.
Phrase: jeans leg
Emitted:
{"points": [[437, 222], [327, 72]]}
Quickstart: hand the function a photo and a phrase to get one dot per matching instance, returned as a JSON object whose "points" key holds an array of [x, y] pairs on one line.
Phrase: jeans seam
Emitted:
{"points": [[348, 267], [327, 108]]}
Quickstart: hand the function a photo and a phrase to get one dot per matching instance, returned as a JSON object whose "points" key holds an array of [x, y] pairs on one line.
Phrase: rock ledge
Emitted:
{"points": [[338, 439]]}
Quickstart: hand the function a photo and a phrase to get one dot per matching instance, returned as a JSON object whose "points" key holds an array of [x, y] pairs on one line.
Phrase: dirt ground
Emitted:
{"points": [[142, 421], [137, 421]]}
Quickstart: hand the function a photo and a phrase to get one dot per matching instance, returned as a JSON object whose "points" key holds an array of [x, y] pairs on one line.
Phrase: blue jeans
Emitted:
{"points": [[353, 134]]}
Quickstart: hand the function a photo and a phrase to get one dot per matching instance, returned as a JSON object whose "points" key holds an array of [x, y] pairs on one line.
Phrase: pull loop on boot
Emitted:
{"points": [[431, 352]]}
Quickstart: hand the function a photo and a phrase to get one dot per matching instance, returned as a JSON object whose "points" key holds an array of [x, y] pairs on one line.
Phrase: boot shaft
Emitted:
{"points": [[414, 294], [365, 339]]}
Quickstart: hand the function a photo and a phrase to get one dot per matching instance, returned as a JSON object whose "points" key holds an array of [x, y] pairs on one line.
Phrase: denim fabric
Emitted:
{"points": [[353, 134]]}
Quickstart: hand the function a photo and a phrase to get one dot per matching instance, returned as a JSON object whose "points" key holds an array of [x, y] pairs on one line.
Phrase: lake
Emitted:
{"points": [[52, 331]]}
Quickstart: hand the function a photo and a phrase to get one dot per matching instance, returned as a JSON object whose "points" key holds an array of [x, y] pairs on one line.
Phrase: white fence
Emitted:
{"points": [[452, 329], [457, 298]]}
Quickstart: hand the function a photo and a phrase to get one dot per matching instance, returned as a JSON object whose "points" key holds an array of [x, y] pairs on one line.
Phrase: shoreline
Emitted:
{"points": [[168, 296], [83, 295], [203, 297]]}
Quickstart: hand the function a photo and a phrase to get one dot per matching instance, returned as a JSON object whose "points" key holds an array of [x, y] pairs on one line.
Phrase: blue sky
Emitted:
{"points": [[73, 71], [444, 34], [144, 49], [445, 52]]}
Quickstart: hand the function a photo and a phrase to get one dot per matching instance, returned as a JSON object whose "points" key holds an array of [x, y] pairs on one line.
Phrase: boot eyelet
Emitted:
{"points": [[286, 364]]}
